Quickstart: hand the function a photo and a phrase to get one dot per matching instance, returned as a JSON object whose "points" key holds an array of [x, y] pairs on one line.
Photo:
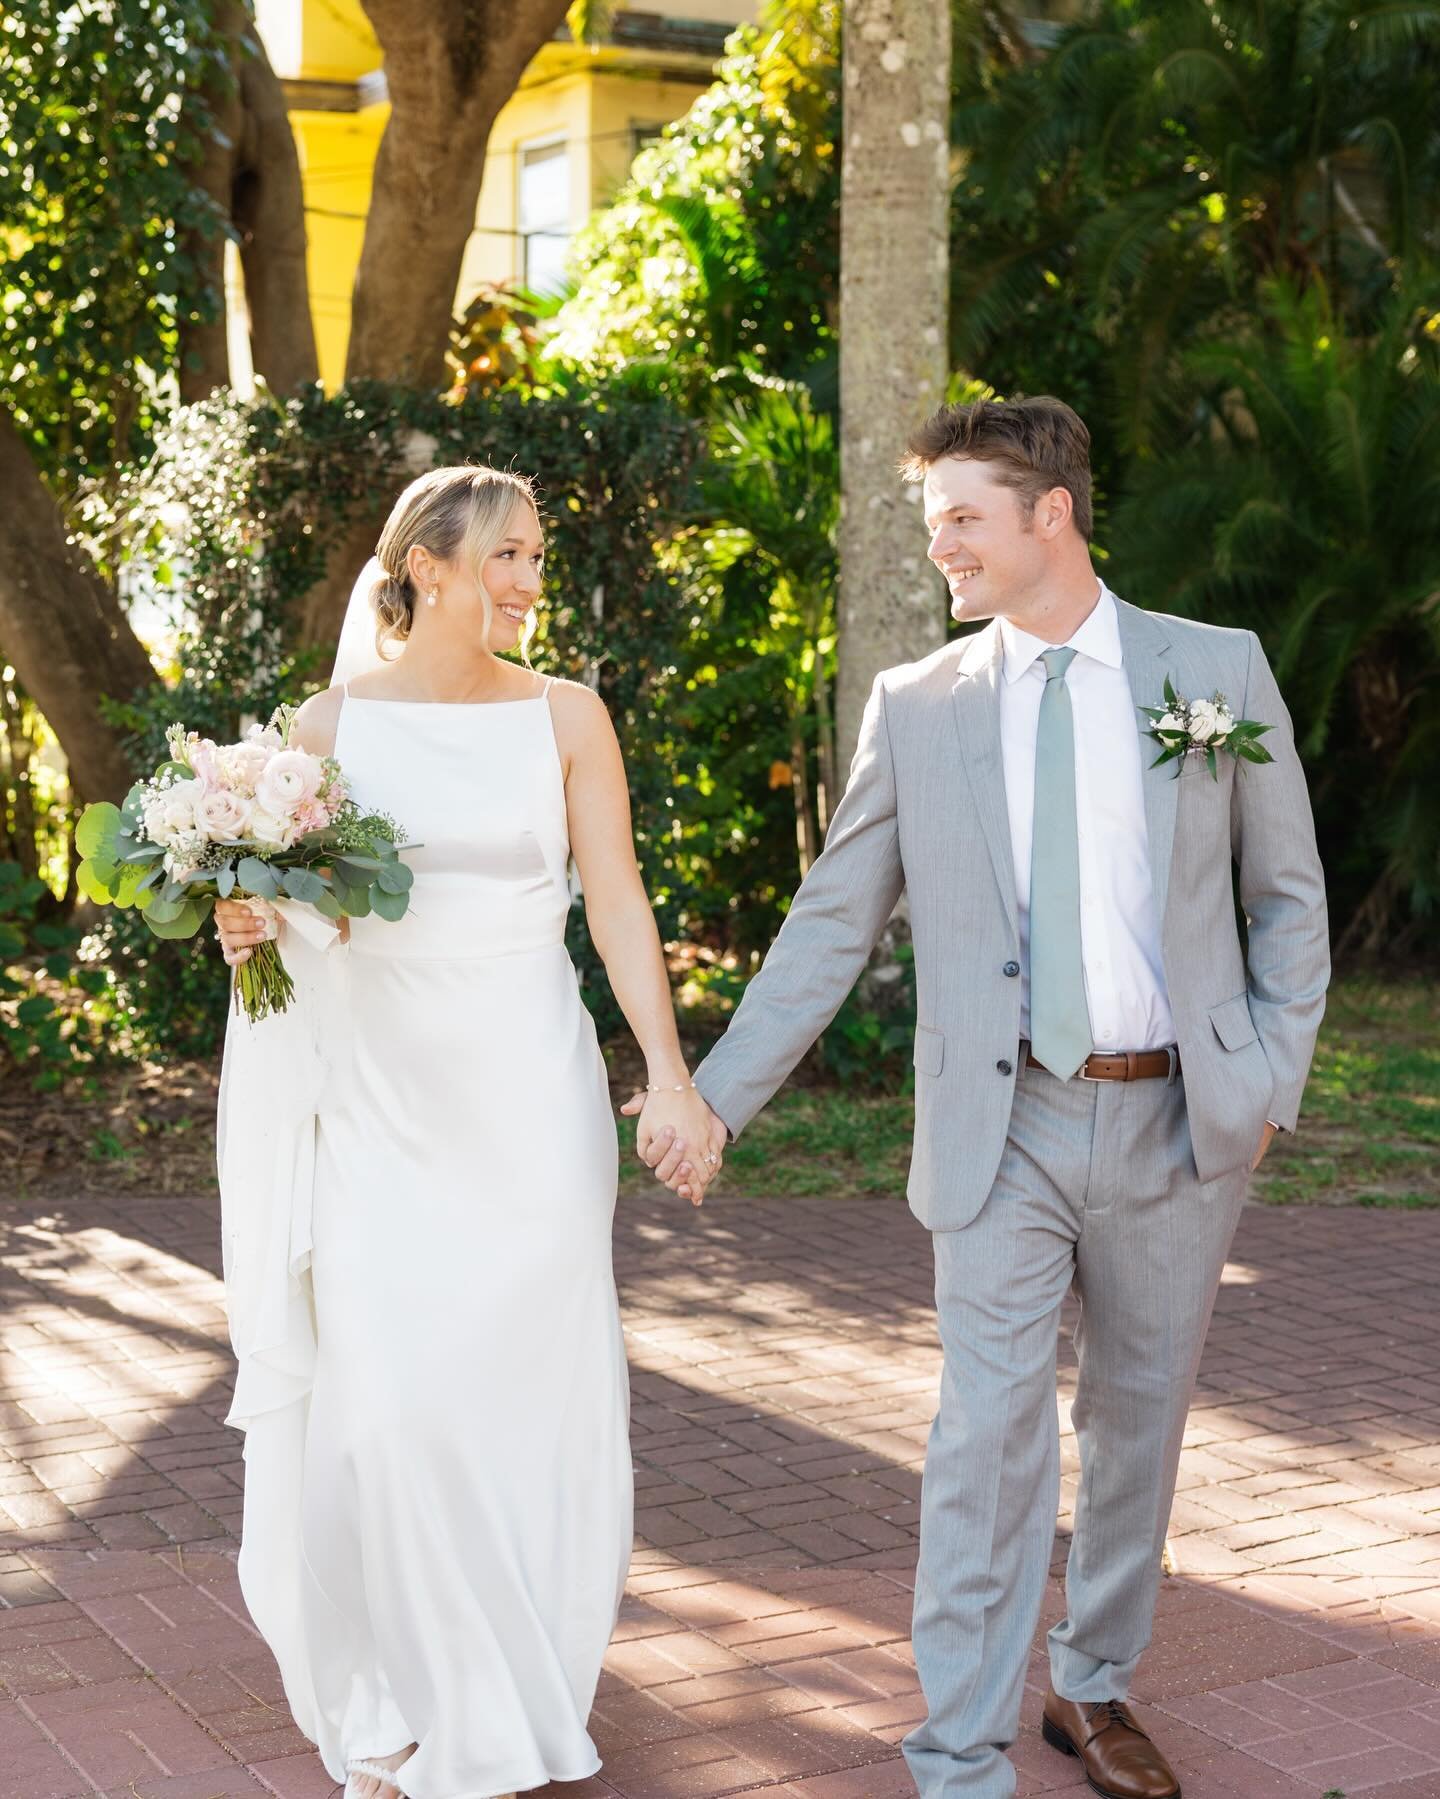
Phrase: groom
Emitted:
{"points": [[1100, 1062]]}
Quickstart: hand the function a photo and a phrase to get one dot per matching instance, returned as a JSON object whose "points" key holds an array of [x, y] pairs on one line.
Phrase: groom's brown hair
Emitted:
{"points": [[1039, 443]]}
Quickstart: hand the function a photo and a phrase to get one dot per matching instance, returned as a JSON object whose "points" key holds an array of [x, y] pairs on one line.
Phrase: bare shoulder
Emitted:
{"points": [[583, 729], [317, 722], [578, 709]]}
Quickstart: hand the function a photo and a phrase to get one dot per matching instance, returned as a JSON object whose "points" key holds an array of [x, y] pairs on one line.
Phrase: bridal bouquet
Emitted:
{"points": [[256, 819]]}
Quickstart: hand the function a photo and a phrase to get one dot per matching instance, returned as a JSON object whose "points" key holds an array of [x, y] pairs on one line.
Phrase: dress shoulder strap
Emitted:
{"points": [[545, 690]]}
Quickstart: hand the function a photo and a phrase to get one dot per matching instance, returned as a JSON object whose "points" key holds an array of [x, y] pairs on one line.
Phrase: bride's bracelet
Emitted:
{"points": [[684, 1087]]}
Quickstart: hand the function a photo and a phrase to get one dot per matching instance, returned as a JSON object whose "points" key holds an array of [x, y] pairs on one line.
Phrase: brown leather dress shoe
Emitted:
{"points": [[1119, 1760]]}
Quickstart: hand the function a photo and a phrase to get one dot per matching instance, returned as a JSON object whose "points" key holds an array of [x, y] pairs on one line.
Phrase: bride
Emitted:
{"points": [[418, 1172]]}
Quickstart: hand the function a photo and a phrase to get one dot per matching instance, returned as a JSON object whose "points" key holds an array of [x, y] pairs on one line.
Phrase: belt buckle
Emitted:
{"points": [[1088, 1077]]}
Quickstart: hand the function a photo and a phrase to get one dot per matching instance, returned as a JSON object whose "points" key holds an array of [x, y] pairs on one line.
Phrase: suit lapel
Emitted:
{"points": [[1150, 655], [975, 707]]}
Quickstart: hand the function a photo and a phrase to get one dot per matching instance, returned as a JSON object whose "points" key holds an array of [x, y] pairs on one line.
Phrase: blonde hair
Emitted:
{"points": [[450, 512]]}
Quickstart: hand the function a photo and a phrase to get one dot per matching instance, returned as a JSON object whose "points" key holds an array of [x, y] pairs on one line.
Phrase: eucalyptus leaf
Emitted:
{"points": [[327, 905], [94, 881], [257, 877], [127, 886], [225, 881], [388, 905], [185, 923], [162, 911], [98, 829], [301, 884], [395, 877], [355, 901]]}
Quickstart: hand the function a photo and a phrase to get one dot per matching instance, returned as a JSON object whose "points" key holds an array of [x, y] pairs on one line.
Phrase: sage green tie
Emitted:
{"points": [[1059, 1016]]}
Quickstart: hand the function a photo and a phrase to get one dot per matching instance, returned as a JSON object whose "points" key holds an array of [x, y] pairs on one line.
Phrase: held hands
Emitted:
{"points": [[679, 1139]]}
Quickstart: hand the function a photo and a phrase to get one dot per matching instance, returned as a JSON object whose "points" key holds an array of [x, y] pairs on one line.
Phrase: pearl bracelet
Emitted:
{"points": [[684, 1087]]}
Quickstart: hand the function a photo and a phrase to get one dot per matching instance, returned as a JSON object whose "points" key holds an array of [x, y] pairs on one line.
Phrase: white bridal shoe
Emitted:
{"points": [[373, 1770], [386, 1777]]}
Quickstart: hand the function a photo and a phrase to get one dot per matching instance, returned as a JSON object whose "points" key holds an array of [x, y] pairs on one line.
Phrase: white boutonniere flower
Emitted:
{"points": [[1203, 728]]}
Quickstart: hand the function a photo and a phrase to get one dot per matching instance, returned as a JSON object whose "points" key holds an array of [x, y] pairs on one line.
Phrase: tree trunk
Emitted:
{"points": [[450, 66], [269, 210], [63, 628], [894, 235], [251, 172], [204, 349]]}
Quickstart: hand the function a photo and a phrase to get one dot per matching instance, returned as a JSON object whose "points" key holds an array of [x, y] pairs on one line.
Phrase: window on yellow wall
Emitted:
{"points": [[543, 212], [641, 135]]}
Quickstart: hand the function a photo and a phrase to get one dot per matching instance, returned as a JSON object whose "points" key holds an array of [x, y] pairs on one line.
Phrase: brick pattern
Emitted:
{"points": [[784, 1367]]}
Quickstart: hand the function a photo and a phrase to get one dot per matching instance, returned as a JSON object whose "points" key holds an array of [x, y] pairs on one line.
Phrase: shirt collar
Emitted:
{"points": [[1098, 638]]}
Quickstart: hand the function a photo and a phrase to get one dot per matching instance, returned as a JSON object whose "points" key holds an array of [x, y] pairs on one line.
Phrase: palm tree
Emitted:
{"points": [[1310, 512], [770, 495], [894, 285], [1170, 155]]}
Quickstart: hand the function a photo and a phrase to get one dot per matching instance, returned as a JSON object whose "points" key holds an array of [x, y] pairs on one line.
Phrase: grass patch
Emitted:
{"points": [[823, 1140], [1369, 1131], [1370, 1126]]}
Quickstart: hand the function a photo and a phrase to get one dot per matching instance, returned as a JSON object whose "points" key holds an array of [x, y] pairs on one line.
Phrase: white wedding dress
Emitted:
{"points": [[418, 1172]]}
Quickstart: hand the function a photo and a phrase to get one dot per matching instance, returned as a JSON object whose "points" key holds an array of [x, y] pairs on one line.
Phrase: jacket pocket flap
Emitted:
{"points": [[929, 1049], [1233, 1023]]}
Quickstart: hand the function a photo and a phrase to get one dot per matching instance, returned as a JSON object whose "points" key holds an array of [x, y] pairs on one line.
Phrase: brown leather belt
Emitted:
{"points": [[1123, 1065]]}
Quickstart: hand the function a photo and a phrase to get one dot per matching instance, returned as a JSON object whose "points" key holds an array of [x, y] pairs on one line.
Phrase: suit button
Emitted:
{"points": [[1011, 968], [1005, 1067]]}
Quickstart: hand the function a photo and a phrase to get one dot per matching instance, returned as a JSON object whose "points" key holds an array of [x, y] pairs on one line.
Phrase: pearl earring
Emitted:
{"points": [[432, 596]]}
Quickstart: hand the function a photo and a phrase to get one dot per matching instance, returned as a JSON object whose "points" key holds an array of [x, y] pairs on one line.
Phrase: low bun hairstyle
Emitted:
{"points": [[451, 512]]}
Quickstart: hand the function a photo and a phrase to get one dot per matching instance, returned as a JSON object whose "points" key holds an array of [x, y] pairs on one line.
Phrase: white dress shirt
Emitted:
{"points": [[1119, 931]]}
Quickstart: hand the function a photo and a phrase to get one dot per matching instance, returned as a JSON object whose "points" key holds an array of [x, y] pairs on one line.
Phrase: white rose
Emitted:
{"points": [[1224, 722], [1170, 725], [170, 813], [1203, 719], [223, 815], [265, 828]]}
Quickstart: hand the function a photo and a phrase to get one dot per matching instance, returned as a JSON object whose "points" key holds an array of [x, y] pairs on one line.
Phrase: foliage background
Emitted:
{"points": [[1214, 228]]}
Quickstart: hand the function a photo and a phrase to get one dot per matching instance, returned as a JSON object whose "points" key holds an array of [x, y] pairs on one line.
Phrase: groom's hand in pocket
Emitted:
{"points": [[1267, 1137]]}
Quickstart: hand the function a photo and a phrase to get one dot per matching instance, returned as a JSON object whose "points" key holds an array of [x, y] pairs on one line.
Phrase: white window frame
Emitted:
{"points": [[549, 141]]}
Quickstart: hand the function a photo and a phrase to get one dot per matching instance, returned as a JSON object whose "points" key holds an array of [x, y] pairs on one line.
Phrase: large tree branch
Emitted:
{"points": [[450, 66], [62, 626]]}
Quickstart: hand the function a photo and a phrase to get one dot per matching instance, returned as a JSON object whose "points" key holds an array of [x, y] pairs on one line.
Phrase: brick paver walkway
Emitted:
{"points": [[784, 1365]]}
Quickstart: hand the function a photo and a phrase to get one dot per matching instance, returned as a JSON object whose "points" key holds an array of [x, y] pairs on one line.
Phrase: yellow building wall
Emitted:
{"points": [[594, 100]]}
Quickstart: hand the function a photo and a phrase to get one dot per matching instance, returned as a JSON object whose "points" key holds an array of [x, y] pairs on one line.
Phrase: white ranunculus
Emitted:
{"points": [[265, 828], [289, 780], [223, 815], [1203, 720]]}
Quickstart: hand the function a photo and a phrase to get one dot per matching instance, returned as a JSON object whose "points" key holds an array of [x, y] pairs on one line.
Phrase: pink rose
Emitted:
{"points": [[242, 764]]}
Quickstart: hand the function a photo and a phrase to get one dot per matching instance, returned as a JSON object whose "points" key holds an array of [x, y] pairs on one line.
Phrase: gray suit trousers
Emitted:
{"points": [[1096, 1187]]}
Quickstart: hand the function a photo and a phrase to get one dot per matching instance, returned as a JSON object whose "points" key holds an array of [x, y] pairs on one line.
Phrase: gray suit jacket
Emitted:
{"points": [[925, 811]]}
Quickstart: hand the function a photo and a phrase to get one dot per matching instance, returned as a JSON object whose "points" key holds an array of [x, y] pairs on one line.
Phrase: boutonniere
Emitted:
{"points": [[1203, 728]]}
